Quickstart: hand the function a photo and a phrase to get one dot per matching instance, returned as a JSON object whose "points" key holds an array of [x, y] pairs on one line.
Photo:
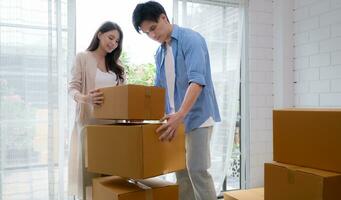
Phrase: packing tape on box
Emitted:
{"points": [[148, 190], [147, 102], [291, 176]]}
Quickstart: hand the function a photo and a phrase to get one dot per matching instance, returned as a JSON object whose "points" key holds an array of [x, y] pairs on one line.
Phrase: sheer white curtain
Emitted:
{"points": [[221, 23], [36, 50]]}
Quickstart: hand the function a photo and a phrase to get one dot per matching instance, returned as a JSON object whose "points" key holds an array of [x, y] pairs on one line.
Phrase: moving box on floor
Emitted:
{"points": [[132, 150], [308, 137], [290, 182], [116, 188], [250, 194], [131, 102]]}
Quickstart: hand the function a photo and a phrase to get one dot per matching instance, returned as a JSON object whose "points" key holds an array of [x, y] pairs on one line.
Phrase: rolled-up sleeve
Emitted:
{"points": [[195, 59], [75, 83]]}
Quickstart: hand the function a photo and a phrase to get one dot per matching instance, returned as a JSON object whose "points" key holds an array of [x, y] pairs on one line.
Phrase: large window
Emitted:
{"points": [[36, 49], [220, 22]]}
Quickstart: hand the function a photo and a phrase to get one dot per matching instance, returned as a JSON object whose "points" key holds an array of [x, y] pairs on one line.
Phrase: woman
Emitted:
{"points": [[97, 67]]}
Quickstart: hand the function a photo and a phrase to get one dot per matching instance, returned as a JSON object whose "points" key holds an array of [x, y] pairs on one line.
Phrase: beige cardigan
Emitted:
{"points": [[82, 81]]}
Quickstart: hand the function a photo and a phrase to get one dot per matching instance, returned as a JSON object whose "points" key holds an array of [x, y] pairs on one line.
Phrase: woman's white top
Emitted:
{"points": [[105, 79]]}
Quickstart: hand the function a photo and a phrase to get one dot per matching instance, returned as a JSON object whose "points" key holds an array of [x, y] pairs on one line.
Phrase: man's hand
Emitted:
{"points": [[167, 131]]}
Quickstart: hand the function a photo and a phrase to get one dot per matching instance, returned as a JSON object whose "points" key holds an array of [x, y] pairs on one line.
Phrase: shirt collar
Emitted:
{"points": [[175, 34]]}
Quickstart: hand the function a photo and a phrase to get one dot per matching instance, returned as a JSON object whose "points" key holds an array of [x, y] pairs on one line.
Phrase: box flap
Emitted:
{"points": [[118, 185], [156, 182], [114, 187], [309, 109], [250, 194], [317, 172]]}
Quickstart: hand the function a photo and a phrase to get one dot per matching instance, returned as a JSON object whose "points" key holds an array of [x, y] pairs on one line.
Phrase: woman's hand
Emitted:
{"points": [[95, 97]]}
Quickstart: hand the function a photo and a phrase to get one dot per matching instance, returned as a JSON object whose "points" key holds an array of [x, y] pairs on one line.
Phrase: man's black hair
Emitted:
{"points": [[150, 11]]}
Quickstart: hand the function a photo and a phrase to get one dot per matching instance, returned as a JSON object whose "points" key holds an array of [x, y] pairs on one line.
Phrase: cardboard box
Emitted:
{"points": [[116, 188], [250, 194], [284, 182], [308, 137], [132, 102], [133, 150]]}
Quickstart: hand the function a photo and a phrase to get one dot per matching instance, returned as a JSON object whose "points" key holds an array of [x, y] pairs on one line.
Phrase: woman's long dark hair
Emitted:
{"points": [[111, 59]]}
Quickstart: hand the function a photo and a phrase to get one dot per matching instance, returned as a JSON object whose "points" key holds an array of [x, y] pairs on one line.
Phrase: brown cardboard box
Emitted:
{"points": [[116, 188], [132, 102], [308, 137], [250, 194], [290, 182], [133, 150]]}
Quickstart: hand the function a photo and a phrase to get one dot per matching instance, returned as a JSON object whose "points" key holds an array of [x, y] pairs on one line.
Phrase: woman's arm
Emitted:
{"points": [[76, 84]]}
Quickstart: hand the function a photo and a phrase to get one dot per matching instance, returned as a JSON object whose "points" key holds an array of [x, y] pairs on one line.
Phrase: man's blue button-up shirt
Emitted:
{"points": [[192, 64]]}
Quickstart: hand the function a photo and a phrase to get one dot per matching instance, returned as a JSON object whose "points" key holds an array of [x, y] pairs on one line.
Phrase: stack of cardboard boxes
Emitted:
{"points": [[307, 155], [132, 152], [307, 158]]}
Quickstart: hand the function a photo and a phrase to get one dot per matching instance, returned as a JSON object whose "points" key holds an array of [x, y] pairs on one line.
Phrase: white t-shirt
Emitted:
{"points": [[170, 78]]}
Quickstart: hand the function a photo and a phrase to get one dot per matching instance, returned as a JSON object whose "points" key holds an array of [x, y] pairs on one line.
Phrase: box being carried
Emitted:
{"points": [[116, 188], [131, 102], [132, 150]]}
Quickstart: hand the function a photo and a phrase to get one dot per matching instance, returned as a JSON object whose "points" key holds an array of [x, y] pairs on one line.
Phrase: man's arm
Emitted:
{"points": [[194, 56], [168, 130]]}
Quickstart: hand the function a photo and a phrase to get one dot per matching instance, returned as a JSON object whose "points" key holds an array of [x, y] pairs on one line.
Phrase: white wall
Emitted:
{"points": [[283, 54], [317, 52], [294, 60], [260, 42]]}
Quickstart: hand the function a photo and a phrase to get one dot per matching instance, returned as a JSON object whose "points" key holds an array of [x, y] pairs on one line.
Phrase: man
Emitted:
{"points": [[183, 69]]}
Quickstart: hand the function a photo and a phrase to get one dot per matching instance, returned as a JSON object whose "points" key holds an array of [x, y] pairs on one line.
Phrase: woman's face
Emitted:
{"points": [[109, 40]]}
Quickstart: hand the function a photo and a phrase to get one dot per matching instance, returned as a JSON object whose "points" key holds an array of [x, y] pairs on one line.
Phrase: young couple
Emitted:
{"points": [[182, 68]]}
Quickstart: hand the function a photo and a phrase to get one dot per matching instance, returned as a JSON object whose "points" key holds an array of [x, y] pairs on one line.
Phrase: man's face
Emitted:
{"points": [[157, 31]]}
